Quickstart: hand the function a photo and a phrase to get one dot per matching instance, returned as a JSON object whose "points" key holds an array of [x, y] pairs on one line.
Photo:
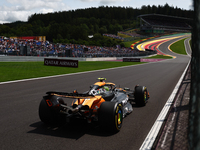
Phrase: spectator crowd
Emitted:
{"points": [[44, 48]]}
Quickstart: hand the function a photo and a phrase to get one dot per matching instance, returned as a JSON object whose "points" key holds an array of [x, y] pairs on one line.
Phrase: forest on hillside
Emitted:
{"points": [[75, 25]]}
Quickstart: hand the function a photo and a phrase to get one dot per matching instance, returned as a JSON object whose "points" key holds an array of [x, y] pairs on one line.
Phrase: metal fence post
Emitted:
{"points": [[194, 118]]}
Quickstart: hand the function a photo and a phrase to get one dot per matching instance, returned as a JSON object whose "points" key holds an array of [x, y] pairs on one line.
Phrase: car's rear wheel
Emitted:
{"points": [[50, 116], [141, 95], [111, 116]]}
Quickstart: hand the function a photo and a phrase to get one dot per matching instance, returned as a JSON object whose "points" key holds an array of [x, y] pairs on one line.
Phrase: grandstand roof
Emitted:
{"points": [[162, 17], [164, 22]]}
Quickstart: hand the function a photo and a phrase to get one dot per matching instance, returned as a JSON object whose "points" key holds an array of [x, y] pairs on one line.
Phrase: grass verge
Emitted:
{"points": [[129, 43], [159, 57], [10, 71], [179, 47]]}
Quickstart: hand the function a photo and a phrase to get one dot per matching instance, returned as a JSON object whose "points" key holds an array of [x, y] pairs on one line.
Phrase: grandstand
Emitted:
{"points": [[156, 23]]}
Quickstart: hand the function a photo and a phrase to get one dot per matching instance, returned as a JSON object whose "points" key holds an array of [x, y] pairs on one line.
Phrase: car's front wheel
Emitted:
{"points": [[141, 95]]}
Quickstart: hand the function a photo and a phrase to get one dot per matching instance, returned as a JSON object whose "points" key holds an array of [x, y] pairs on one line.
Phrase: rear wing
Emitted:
{"points": [[70, 95]]}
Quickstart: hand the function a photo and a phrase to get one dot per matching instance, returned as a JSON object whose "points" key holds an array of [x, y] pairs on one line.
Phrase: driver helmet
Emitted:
{"points": [[106, 88]]}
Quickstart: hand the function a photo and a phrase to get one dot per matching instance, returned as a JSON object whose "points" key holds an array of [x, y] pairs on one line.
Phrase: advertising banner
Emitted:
{"points": [[61, 62], [131, 59]]}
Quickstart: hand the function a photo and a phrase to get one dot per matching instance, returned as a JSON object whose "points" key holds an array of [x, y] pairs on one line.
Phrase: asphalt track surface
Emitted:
{"points": [[21, 128]]}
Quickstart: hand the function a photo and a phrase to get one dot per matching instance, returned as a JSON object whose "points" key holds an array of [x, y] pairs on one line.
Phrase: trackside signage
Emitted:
{"points": [[61, 62], [131, 59]]}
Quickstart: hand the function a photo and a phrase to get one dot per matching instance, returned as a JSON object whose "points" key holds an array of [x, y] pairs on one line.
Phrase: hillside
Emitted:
{"points": [[74, 26]]}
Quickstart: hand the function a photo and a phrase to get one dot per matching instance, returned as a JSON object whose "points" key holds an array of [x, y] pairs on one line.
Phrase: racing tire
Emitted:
{"points": [[111, 116], [49, 116], [140, 95]]}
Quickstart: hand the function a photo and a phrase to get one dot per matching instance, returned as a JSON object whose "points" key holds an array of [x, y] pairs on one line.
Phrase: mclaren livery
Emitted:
{"points": [[104, 103]]}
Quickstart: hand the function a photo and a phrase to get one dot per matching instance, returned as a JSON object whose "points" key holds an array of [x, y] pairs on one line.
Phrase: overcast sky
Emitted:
{"points": [[14, 10]]}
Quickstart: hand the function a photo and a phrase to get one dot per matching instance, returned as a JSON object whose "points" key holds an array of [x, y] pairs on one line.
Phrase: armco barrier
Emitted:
{"points": [[101, 59], [35, 58]]}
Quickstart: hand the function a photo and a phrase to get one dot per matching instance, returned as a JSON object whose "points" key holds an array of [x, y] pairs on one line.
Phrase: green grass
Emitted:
{"points": [[179, 47], [123, 35], [129, 43], [10, 71], [159, 57]]}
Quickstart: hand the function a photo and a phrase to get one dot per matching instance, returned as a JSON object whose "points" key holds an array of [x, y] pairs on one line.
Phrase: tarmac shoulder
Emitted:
{"points": [[175, 132]]}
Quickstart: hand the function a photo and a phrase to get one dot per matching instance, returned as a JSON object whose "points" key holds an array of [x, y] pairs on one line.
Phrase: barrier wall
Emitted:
{"points": [[101, 59], [34, 58], [4, 58]]}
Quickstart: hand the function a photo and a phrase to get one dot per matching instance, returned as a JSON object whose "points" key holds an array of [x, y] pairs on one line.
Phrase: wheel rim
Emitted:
{"points": [[119, 117], [145, 95]]}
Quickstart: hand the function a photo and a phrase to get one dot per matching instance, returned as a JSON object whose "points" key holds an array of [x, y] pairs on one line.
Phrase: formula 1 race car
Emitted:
{"points": [[104, 103]]}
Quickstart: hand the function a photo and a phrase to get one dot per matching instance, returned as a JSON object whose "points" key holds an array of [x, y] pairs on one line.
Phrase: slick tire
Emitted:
{"points": [[140, 95], [49, 116], [111, 116]]}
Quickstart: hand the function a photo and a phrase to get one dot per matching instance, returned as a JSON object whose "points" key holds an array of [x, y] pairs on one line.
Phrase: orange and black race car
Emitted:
{"points": [[103, 103]]}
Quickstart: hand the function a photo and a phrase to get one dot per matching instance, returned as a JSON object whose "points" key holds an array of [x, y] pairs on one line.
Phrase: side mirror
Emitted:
{"points": [[127, 89], [114, 87]]}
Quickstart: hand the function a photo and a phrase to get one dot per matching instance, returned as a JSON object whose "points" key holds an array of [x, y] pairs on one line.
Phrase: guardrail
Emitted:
{"points": [[80, 57]]}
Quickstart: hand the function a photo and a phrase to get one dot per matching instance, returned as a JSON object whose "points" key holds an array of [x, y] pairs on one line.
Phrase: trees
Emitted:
{"points": [[78, 24]]}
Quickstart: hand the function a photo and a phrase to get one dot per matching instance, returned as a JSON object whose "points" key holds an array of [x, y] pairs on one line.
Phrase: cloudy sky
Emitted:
{"points": [[14, 10]]}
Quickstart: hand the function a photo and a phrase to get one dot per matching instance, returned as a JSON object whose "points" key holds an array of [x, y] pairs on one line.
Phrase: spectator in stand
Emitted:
{"points": [[43, 48]]}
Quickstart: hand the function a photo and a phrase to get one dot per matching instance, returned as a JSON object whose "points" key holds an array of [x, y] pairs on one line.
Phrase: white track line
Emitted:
{"points": [[148, 142], [187, 41]]}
